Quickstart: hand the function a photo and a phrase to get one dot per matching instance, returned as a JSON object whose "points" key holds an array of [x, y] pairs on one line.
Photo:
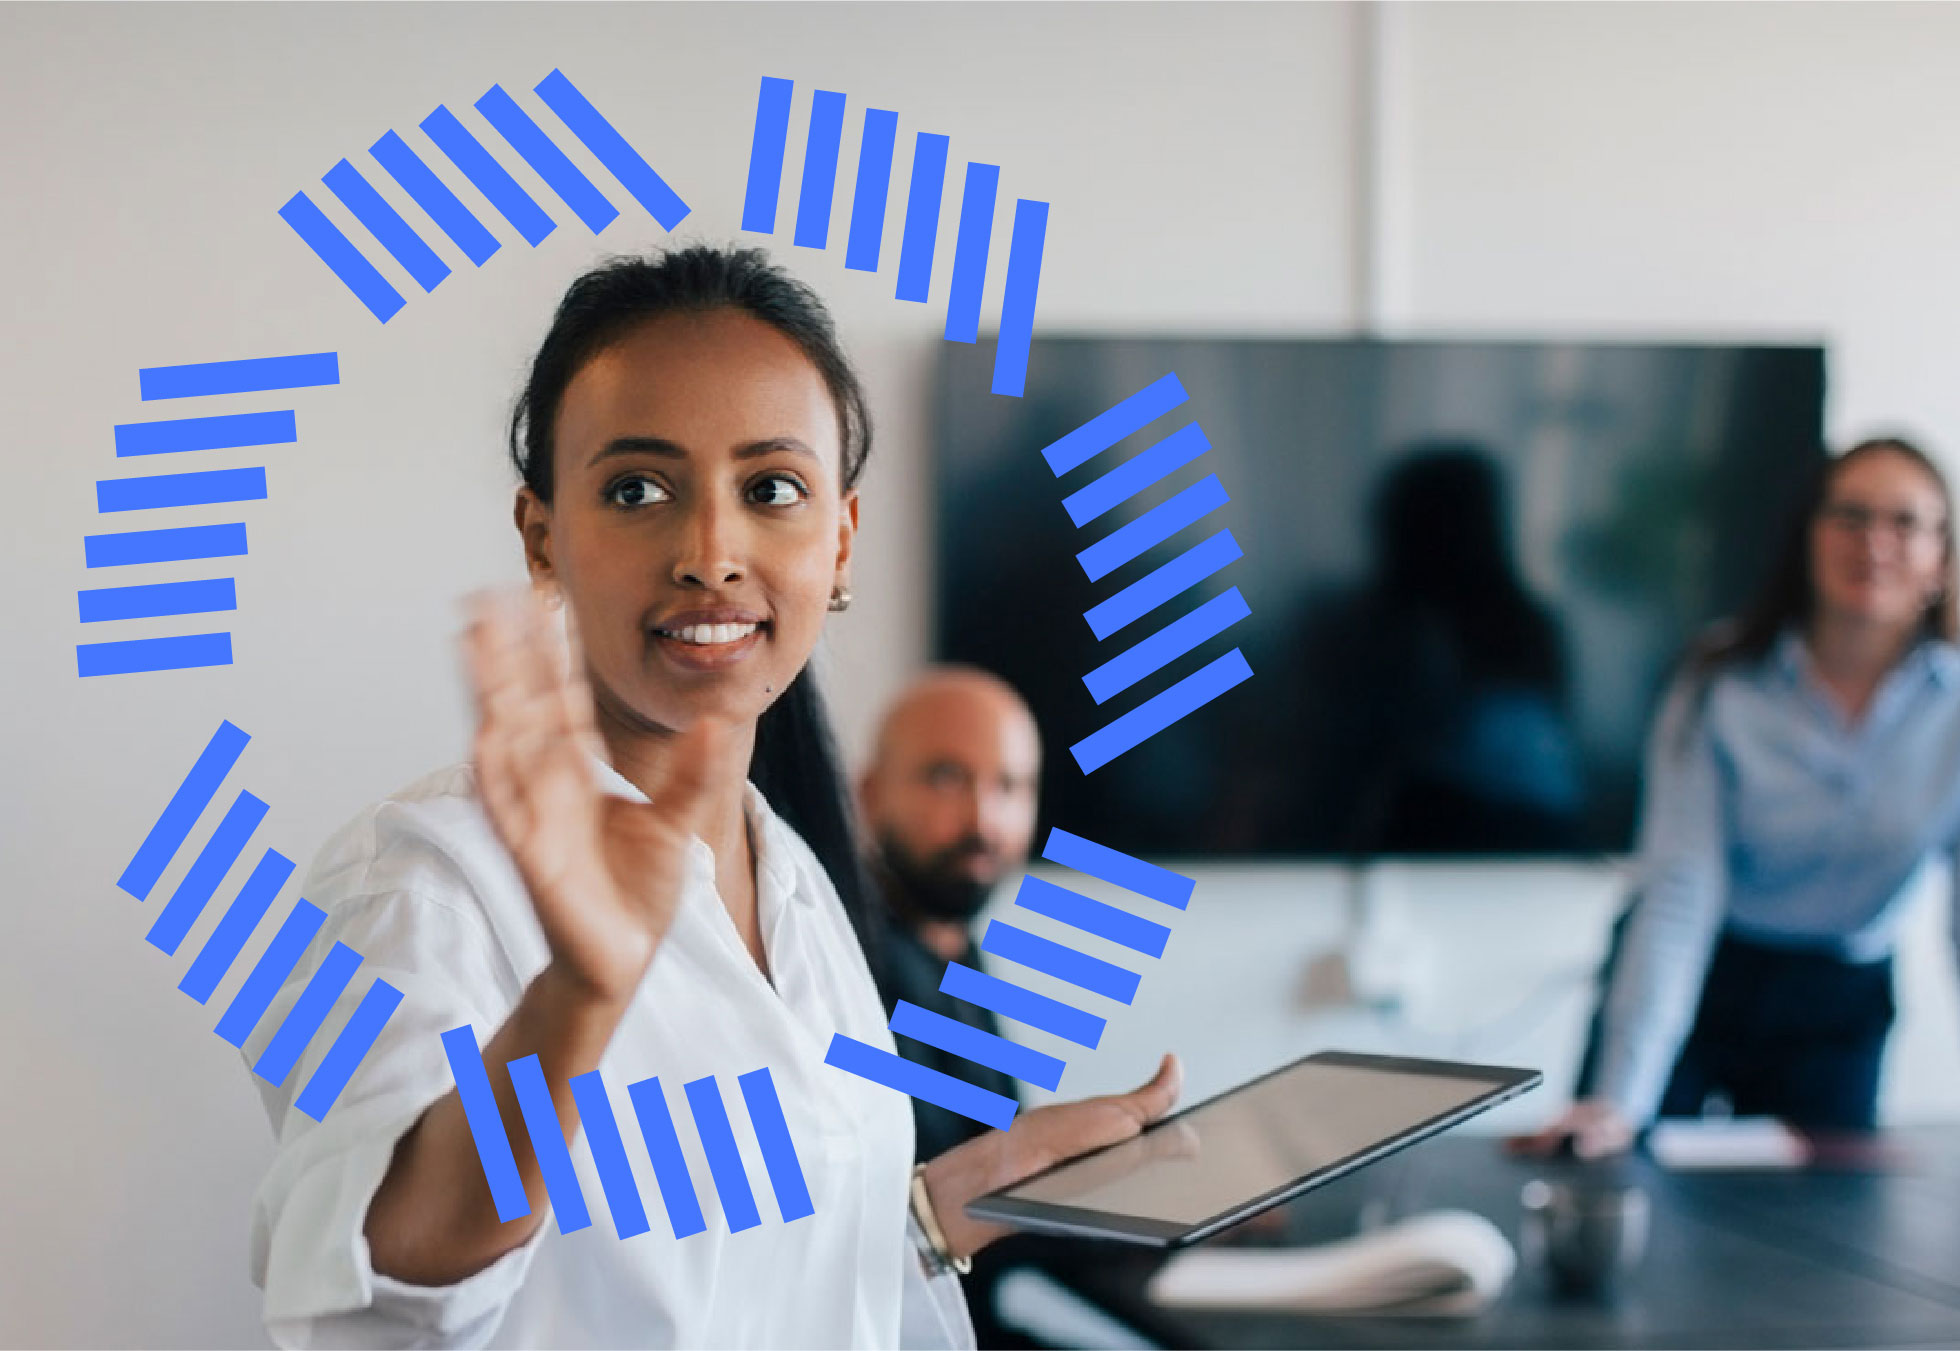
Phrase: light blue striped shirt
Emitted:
{"points": [[1767, 812]]}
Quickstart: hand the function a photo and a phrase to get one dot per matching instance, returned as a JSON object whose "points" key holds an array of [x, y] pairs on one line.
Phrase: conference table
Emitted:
{"points": [[1861, 1249]]}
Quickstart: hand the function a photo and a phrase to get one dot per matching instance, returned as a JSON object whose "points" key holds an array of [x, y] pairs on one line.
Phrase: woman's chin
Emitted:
{"points": [[732, 699], [1873, 607]]}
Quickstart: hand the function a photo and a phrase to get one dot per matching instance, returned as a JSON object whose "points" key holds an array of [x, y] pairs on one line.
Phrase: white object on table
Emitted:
{"points": [[1727, 1142], [1448, 1263]]}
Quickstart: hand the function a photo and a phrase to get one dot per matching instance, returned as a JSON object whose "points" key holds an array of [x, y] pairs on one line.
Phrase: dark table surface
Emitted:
{"points": [[1863, 1251]]}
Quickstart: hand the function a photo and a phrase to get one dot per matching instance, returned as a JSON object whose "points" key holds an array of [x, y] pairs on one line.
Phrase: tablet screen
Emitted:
{"points": [[1255, 1140]]}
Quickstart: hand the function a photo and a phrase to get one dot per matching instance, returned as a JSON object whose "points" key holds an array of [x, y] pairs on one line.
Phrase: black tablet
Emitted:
{"points": [[1210, 1166]]}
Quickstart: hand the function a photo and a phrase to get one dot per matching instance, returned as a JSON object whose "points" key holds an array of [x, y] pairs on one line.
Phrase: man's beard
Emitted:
{"points": [[934, 888]]}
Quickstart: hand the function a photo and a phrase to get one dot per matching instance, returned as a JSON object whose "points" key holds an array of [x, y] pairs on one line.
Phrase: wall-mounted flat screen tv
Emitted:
{"points": [[1470, 567]]}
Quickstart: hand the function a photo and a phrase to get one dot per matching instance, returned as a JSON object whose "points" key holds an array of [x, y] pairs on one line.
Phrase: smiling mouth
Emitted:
{"points": [[709, 635], [709, 647]]}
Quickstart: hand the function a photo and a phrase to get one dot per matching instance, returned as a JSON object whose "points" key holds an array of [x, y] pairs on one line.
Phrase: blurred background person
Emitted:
{"points": [[1805, 763], [1437, 691], [949, 801]]}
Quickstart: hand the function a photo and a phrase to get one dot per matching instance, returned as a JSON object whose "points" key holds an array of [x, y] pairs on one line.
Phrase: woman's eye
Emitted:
{"points": [[777, 491], [634, 491]]}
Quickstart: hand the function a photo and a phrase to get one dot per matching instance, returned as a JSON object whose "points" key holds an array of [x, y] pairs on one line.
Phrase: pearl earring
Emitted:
{"points": [[840, 598]]}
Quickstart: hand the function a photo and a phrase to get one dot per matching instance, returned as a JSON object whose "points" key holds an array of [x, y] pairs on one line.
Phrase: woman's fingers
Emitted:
{"points": [[520, 666], [530, 762], [1590, 1129], [1150, 1100], [575, 690], [1074, 1128], [1539, 1143], [1159, 1095], [495, 678]]}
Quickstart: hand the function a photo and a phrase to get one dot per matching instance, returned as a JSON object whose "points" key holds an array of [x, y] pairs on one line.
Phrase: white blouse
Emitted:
{"points": [[419, 885]]}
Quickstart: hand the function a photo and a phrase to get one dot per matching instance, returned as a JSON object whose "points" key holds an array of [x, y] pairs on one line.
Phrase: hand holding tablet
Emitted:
{"points": [[1193, 1174]]}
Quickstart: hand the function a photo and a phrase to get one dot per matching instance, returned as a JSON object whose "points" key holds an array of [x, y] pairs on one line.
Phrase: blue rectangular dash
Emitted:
{"points": [[196, 489], [133, 656], [349, 1049], [345, 261], [874, 183], [1158, 585], [486, 1123], [669, 1164], [443, 207], [1118, 869], [241, 917], [819, 187], [171, 435], [527, 138], [302, 1021], [281, 955], [778, 1150], [548, 1143], [613, 150], [239, 377], [1023, 1006], [1022, 287], [193, 795], [394, 234], [595, 1113], [724, 1159], [1159, 711], [1129, 542], [1135, 474], [1111, 425], [917, 1081], [1014, 944], [1166, 645], [158, 598], [1077, 911], [922, 198], [970, 252], [765, 183], [164, 546], [972, 1043], [201, 879], [491, 178]]}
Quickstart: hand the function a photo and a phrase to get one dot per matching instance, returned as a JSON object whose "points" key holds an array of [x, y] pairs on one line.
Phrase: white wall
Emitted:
{"points": [[1587, 170]]}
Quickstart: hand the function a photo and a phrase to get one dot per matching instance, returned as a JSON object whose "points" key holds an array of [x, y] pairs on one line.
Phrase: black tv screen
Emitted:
{"points": [[1470, 568]]}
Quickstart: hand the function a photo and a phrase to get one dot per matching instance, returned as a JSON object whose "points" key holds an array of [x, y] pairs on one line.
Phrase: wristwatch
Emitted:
{"points": [[938, 1255]]}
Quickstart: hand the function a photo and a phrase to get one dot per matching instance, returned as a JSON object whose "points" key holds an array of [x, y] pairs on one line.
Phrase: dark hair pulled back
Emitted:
{"points": [[795, 764], [620, 294]]}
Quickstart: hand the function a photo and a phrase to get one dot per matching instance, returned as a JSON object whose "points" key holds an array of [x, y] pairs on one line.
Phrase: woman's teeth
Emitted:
{"points": [[708, 634]]}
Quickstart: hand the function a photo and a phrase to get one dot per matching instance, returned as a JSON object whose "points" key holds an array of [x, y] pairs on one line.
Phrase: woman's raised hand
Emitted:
{"points": [[605, 874]]}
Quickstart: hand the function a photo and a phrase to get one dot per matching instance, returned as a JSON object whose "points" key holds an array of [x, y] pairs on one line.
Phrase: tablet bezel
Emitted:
{"points": [[1048, 1217]]}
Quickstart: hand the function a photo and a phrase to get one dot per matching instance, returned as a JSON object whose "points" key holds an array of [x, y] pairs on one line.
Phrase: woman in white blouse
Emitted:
{"points": [[607, 886]]}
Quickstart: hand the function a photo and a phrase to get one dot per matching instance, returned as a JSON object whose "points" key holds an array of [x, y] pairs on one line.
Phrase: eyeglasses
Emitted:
{"points": [[1857, 519]]}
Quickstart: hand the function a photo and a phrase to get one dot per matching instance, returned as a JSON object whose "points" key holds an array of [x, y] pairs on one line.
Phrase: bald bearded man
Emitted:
{"points": [[949, 799]]}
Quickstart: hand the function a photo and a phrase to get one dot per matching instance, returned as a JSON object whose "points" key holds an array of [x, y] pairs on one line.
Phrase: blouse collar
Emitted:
{"points": [[1934, 658]]}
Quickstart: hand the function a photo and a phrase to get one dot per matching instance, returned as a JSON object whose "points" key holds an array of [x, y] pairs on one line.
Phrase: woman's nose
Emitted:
{"points": [[711, 553]]}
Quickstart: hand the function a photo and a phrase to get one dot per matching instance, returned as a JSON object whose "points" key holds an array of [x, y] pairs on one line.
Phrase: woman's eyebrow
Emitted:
{"points": [[656, 445]]}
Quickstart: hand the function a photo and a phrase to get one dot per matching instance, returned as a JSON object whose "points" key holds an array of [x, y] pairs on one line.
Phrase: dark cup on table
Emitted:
{"points": [[1587, 1234]]}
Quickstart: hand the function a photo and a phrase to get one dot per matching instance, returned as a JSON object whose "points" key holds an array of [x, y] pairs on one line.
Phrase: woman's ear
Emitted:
{"points": [[533, 519], [847, 524]]}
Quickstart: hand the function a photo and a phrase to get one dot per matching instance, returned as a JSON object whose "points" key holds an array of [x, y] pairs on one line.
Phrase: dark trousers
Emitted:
{"points": [[1783, 1032]]}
